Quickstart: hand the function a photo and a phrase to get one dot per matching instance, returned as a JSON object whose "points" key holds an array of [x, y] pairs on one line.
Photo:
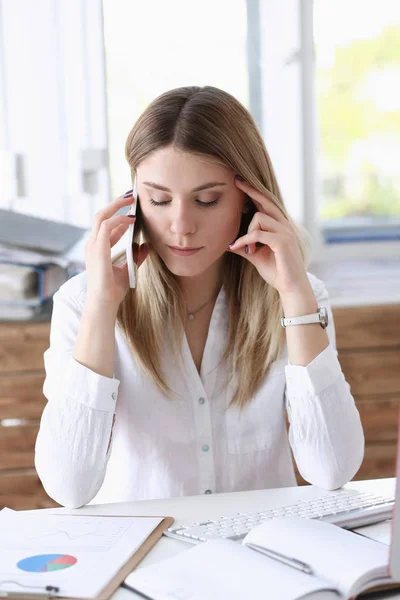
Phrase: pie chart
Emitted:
{"points": [[46, 562]]}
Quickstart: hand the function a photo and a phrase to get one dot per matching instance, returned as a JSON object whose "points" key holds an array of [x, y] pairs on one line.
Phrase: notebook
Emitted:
{"points": [[312, 560], [342, 563]]}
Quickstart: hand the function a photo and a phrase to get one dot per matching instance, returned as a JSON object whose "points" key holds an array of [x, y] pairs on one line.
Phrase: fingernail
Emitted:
{"points": [[131, 216], [246, 249], [239, 177], [232, 243], [128, 194]]}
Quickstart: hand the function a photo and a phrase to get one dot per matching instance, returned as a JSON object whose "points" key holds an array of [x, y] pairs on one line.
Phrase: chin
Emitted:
{"points": [[184, 267], [188, 271]]}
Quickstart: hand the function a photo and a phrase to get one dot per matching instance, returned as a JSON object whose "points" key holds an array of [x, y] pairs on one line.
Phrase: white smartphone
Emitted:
{"points": [[131, 229]]}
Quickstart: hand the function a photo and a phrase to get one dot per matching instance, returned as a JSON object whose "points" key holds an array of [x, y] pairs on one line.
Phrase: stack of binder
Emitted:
{"points": [[36, 257], [25, 288]]}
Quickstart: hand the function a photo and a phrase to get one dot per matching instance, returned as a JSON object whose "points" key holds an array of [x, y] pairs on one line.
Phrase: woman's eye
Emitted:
{"points": [[157, 203], [213, 203]]}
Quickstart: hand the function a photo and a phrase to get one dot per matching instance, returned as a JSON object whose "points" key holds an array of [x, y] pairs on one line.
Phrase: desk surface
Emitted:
{"points": [[194, 508]]}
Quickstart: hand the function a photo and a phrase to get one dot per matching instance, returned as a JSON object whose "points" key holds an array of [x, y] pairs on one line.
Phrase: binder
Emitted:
{"points": [[49, 277], [123, 572]]}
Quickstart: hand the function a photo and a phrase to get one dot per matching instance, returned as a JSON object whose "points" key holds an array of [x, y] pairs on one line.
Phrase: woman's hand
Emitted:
{"points": [[278, 260], [107, 284]]}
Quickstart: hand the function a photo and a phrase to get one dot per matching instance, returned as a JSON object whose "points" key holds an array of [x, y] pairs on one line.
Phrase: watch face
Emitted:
{"points": [[323, 316]]}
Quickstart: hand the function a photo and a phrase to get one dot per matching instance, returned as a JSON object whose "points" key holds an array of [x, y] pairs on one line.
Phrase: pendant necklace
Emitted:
{"points": [[192, 315]]}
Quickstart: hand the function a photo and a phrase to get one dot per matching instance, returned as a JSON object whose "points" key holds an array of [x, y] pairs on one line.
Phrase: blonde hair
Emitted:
{"points": [[211, 123]]}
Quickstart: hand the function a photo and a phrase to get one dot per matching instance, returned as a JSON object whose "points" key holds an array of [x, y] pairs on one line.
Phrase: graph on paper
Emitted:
{"points": [[43, 563], [78, 553], [70, 533]]}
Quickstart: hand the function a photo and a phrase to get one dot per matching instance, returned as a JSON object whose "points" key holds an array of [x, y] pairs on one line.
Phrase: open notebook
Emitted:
{"points": [[336, 564]]}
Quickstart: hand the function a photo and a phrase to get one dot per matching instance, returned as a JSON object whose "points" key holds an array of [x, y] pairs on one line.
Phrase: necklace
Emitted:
{"points": [[192, 315]]}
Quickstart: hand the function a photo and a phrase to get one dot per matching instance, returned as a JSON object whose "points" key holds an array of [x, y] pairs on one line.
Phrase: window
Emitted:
{"points": [[318, 78], [358, 110], [153, 46], [53, 156]]}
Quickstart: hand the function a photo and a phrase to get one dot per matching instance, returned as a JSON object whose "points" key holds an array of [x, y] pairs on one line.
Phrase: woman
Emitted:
{"points": [[180, 386]]}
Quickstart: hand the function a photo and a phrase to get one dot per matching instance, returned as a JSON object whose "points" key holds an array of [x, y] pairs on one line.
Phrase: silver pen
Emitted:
{"points": [[287, 560]]}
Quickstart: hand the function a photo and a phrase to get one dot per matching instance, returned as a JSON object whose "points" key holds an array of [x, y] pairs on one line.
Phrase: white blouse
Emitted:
{"points": [[190, 444]]}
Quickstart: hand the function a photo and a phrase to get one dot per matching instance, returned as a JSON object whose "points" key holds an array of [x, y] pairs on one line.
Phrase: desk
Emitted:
{"points": [[194, 508]]}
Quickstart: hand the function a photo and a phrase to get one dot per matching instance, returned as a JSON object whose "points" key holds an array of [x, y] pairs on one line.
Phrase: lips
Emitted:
{"points": [[185, 252], [183, 249]]}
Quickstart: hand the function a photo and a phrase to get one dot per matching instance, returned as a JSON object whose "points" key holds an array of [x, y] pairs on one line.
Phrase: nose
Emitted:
{"points": [[182, 219]]}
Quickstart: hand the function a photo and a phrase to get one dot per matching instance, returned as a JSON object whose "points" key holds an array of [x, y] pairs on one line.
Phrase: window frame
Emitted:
{"points": [[303, 166]]}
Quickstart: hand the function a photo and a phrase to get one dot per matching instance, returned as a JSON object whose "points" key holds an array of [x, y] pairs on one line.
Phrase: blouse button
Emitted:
{"points": [[208, 492], [201, 400], [205, 448], [114, 396]]}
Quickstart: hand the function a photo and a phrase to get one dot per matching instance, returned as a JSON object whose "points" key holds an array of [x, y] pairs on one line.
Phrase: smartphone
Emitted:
{"points": [[129, 248]]}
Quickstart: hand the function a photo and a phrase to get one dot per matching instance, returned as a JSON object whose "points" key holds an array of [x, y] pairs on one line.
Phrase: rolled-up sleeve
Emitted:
{"points": [[71, 451], [325, 431]]}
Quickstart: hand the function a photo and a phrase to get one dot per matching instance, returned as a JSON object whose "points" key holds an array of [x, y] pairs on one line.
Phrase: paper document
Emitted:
{"points": [[78, 554]]}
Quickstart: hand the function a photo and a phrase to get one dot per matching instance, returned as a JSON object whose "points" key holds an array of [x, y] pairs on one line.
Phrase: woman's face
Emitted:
{"points": [[207, 219]]}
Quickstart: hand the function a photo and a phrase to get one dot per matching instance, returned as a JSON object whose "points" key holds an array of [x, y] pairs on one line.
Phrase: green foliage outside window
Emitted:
{"points": [[359, 123]]}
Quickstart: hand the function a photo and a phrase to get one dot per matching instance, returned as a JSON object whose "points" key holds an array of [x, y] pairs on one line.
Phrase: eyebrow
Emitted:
{"points": [[205, 186]]}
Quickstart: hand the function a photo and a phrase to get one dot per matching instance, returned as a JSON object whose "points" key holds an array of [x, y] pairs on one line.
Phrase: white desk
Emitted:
{"points": [[194, 508]]}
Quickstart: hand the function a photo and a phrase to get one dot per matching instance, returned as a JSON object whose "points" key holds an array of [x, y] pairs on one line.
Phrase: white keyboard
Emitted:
{"points": [[345, 508]]}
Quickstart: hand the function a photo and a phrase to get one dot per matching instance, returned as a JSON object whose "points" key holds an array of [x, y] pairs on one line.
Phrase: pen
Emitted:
{"points": [[287, 560]]}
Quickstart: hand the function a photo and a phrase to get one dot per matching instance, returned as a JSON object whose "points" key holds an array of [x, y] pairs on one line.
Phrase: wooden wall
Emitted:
{"points": [[368, 341], [21, 404]]}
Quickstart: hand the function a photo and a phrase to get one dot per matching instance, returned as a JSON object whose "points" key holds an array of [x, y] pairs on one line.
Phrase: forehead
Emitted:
{"points": [[169, 165]]}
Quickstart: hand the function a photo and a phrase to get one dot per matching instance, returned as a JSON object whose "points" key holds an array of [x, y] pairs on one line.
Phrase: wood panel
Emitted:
{"points": [[367, 326], [22, 346], [372, 371], [379, 461], [21, 396], [22, 490], [17, 445], [368, 341], [379, 417]]}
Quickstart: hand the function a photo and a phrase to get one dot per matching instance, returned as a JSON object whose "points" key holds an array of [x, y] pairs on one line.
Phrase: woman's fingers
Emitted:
{"points": [[105, 280], [108, 225], [118, 232], [109, 211], [102, 244]]}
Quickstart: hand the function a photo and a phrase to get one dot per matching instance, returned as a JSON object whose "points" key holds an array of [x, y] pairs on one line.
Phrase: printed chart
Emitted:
{"points": [[69, 534], [46, 562], [79, 554]]}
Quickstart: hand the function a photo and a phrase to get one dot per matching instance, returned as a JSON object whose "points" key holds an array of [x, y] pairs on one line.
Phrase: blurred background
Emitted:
{"points": [[320, 78]]}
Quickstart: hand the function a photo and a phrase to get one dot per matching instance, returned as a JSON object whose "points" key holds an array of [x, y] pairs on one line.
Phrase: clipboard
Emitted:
{"points": [[123, 572], [134, 560]]}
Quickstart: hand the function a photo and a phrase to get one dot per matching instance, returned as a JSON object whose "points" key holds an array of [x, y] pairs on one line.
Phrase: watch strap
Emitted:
{"points": [[320, 317]]}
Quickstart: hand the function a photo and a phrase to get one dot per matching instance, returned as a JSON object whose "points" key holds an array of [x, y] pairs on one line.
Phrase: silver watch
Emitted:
{"points": [[321, 317]]}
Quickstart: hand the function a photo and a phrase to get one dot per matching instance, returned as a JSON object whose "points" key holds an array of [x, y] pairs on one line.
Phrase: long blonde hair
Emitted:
{"points": [[211, 123]]}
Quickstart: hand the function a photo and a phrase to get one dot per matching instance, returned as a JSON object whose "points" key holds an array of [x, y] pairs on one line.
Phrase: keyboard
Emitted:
{"points": [[345, 508]]}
